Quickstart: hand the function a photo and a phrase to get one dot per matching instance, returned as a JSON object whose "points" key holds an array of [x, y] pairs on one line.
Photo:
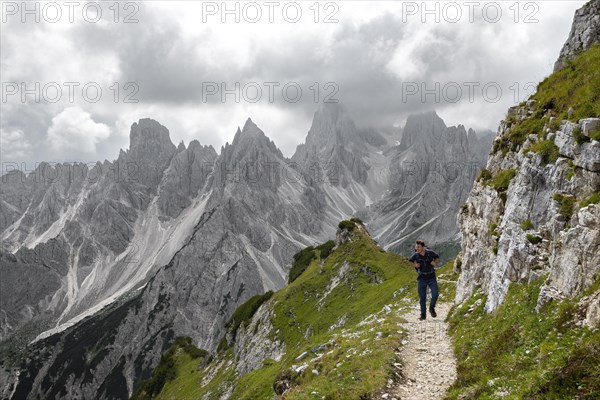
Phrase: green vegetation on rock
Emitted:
{"points": [[547, 149], [514, 352], [303, 258], [167, 369], [567, 204], [593, 199], [571, 93]]}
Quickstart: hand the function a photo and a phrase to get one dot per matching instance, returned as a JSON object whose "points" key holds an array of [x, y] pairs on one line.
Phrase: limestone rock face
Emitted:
{"points": [[529, 231], [585, 32], [495, 237]]}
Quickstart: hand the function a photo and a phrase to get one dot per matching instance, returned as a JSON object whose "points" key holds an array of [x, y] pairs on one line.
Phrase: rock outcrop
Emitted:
{"points": [[584, 32], [534, 212]]}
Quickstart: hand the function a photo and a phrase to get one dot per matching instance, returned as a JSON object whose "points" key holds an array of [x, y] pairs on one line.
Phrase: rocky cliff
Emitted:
{"points": [[533, 212], [584, 33]]}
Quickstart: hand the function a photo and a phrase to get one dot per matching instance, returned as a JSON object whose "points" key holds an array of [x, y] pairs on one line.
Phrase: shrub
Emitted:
{"points": [[301, 261], [593, 199], [554, 125], [356, 220], [572, 169], [345, 224], [167, 369], [567, 204], [533, 239], [484, 176], [304, 257], [246, 311], [493, 230], [579, 137], [526, 225], [547, 149], [501, 181], [325, 249]]}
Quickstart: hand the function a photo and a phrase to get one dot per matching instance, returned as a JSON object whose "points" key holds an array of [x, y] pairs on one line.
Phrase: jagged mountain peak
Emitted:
{"points": [[422, 128], [149, 139], [331, 123], [250, 131], [248, 143]]}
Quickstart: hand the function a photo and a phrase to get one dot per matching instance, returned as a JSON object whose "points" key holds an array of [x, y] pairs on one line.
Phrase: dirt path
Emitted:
{"points": [[429, 363]]}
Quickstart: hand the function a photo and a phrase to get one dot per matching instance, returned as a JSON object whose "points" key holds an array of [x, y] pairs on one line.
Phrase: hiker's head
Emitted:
{"points": [[420, 246]]}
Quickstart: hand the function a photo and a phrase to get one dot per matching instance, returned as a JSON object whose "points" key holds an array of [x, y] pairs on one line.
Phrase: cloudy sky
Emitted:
{"points": [[75, 80]]}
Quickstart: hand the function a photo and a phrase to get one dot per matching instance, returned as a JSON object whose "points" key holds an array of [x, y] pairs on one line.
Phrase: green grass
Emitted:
{"points": [[572, 169], [484, 176], [575, 86], [303, 258], [567, 204], [521, 353], [592, 199], [533, 239], [493, 230], [547, 149], [501, 180], [244, 313], [579, 137], [181, 352], [527, 225], [312, 311], [595, 134]]}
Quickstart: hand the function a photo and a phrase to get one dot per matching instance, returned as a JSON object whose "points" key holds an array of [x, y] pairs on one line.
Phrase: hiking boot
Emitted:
{"points": [[422, 317], [432, 312]]}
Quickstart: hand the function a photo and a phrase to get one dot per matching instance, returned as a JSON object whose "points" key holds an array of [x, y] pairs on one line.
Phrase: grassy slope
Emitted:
{"points": [[523, 354], [360, 363], [576, 87]]}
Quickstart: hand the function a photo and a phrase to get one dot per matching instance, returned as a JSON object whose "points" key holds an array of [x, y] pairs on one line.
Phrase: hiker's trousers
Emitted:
{"points": [[422, 287]]}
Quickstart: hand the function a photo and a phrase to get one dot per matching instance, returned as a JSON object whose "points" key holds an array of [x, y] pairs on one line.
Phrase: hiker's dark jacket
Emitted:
{"points": [[427, 269]]}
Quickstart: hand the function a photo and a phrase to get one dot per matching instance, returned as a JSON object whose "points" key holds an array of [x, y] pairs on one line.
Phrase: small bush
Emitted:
{"points": [[501, 181], [304, 257], [345, 224], [533, 239], [167, 369], [547, 149], [493, 230], [567, 204], [572, 169], [246, 311], [484, 176], [526, 225], [356, 220], [554, 125], [579, 137], [301, 261], [593, 199], [325, 249]]}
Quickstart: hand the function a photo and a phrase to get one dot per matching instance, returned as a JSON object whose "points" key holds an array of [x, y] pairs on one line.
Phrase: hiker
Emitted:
{"points": [[425, 261]]}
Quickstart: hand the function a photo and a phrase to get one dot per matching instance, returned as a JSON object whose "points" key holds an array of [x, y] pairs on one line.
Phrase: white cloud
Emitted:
{"points": [[14, 145], [74, 129]]}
